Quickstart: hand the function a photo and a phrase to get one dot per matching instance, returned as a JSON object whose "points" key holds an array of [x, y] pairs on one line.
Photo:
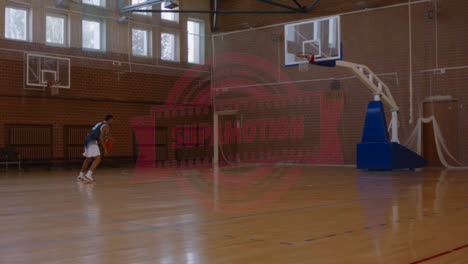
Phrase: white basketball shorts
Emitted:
{"points": [[92, 150]]}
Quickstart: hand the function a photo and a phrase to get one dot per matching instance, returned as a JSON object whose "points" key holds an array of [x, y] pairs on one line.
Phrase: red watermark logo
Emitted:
{"points": [[253, 130], [260, 117]]}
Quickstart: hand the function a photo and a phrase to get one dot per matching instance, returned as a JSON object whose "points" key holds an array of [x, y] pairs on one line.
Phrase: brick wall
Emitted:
{"points": [[98, 87], [94, 93], [378, 38], [324, 8]]}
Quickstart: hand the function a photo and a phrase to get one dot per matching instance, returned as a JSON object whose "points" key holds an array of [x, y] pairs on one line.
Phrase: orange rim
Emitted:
{"points": [[306, 56]]}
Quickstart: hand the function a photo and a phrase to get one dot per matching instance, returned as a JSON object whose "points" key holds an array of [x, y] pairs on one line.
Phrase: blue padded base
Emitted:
{"points": [[387, 156]]}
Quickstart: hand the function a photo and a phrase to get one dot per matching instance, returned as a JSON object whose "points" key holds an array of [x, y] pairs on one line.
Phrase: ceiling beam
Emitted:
{"points": [[132, 8], [298, 4], [137, 8], [309, 8], [228, 12], [273, 3], [215, 16], [120, 4]]}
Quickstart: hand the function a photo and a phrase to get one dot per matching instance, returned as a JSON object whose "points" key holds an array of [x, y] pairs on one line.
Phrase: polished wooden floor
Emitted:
{"points": [[267, 214]]}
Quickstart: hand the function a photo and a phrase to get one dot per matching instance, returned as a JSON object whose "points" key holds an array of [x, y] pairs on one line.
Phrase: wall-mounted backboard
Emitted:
{"points": [[41, 70]]}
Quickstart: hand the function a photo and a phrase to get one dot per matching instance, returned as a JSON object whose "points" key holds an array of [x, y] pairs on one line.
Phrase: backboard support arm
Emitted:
{"points": [[378, 88]]}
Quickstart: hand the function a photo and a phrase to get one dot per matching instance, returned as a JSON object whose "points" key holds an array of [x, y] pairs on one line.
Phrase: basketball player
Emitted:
{"points": [[98, 136]]}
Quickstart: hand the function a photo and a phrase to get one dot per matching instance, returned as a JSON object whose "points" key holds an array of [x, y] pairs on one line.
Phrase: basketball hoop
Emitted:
{"points": [[52, 85], [310, 57], [304, 67], [304, 58]]}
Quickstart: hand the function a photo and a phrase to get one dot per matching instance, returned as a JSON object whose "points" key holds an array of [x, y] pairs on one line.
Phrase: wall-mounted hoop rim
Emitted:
{"points": [[52, 84]]}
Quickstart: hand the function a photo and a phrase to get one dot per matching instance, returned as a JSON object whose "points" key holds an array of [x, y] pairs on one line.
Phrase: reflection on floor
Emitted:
{"points": [[250, 214]]}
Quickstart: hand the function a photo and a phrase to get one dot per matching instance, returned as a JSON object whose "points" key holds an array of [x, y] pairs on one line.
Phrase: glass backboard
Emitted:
{"points": [[320, 37]]}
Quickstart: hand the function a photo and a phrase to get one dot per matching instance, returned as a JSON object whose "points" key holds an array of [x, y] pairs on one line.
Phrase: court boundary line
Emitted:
{"points": [[440, 254]]}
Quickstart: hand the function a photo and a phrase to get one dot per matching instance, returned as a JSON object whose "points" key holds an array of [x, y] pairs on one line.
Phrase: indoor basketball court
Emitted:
{"points": [[215, 131]]}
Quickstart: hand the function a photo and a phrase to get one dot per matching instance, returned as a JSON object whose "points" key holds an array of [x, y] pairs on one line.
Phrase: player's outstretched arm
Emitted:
{"points": [[104, 137]]}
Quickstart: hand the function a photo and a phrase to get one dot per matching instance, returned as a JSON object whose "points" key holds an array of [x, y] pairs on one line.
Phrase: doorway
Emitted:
{"points": [[224, 149], [446, 114]]}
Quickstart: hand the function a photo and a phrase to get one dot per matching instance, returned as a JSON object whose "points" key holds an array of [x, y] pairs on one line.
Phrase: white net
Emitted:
{"points": [[413, 63], [415, 141]]}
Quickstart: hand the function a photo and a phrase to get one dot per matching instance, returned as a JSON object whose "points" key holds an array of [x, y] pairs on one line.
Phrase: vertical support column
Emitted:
{"points": [[410, 37], [216, 187], [215, 138], [380, 87], [377, 96], [394, 126]]}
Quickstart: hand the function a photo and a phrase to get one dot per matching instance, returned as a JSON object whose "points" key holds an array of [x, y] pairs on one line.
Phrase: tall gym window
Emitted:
{"points": [[141, 42], [101, 3], [93, 35], [17, 23], [174, 17], [195, 42], [168, 47], [56, 29]]}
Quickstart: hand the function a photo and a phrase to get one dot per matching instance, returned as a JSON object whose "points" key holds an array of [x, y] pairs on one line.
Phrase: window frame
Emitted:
{"points": [[176, 46], [149, 41], [66, 29], [201, 35], [29, 36], [147, 14], [102, 32], [102, 4], [176, 19]]}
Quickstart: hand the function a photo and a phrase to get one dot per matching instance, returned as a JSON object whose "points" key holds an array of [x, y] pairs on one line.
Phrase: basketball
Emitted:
{"points": [[110, 143]]}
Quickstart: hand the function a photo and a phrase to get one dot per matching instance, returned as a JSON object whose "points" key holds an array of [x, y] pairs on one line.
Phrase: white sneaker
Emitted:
{"points": [[89, 178], [81, 177]]}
